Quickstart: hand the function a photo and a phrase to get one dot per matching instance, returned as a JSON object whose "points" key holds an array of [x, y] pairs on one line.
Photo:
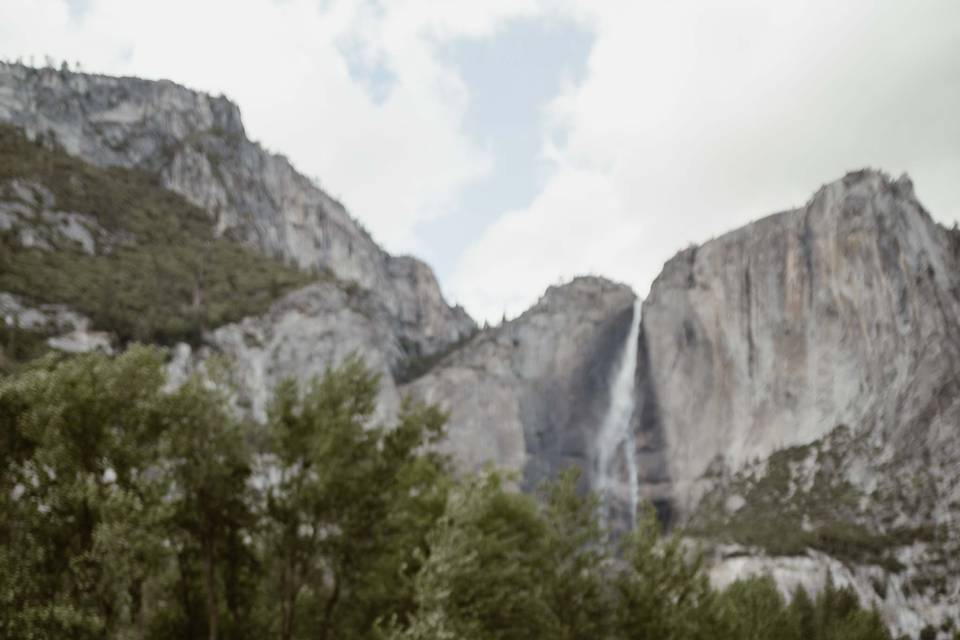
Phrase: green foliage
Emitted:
{"points": [[838, 616], [664, 592], [576, 585], [80, 438], [159, 273], [484, 577], [209, 463], [755, 610], [130, 510], [785, 513], [18, 346], [351, 505]]}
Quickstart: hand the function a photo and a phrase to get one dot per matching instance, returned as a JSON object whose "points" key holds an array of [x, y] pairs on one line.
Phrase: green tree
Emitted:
{"points": [[209, 460], [79, 496], [484, 576], [131, 510], [803, 613], [663, 591], [350, 502], [755, 610], [577, 552]]}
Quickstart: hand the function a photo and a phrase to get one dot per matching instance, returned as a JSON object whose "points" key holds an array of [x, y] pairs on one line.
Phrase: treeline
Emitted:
{"points": [[132, 510]]}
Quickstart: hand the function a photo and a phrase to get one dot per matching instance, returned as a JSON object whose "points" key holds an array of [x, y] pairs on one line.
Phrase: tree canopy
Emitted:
{"points": [[132, 510]]}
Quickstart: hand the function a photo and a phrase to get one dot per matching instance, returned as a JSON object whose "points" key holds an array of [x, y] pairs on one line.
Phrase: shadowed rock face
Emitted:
{"points": [[196, 143], [842, 312], [653, 471], [531, 394]]}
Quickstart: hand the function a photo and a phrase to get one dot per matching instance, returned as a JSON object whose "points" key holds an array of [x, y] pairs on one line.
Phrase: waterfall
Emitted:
{"points": [[616, 438]]}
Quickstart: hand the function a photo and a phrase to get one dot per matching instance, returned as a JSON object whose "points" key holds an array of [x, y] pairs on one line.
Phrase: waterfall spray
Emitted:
{"points": [[615, 432]]}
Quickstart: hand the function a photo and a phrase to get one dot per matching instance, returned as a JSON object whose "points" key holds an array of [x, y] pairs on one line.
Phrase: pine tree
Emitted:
{"points": [[663, 591], [484, 576], [577, 551]]}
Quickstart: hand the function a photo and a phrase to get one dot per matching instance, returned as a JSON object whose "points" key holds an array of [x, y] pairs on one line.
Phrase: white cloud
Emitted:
{"points": [[395, 161], [691, 118], [694, 119]]}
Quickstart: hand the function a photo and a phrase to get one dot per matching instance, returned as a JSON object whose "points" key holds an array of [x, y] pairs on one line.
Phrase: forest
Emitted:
{"points": [[132, 507]]}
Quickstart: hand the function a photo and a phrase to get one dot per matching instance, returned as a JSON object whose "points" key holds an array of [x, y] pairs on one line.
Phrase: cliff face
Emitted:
{"points": [[803, 380], [844, 312], [531, 394], [197, 144]]}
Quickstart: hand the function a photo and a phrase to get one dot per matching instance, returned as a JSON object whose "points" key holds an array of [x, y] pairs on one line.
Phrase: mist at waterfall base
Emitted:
{"points": [[616, 463]]}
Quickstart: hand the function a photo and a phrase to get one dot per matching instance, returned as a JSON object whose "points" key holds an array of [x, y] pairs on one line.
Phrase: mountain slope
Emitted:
{"points": [[130, 257], [197, 146]]}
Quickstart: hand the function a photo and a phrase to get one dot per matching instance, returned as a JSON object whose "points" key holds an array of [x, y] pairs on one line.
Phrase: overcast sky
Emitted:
{"points": [[514, 144]]}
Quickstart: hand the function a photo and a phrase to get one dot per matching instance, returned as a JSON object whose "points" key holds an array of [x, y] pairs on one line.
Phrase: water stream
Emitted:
{"points": [[615, 445]]}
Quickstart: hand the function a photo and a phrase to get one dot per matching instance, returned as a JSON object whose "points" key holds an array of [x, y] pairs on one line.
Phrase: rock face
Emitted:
{"points": [[843, 312], [303, 334], [67, 330], [198, 146], [802, 381], [797, 396], [531, 394]]}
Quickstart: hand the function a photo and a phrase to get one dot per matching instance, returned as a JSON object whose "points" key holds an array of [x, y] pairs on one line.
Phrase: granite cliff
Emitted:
{"points": [[805, 374], [531, 393], [843, 312]]}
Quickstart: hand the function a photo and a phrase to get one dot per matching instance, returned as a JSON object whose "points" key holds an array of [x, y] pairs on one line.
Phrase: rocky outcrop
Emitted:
{"points": [[300, 337], [197, 144], [63, 329], [907, 612], [530, 395]]}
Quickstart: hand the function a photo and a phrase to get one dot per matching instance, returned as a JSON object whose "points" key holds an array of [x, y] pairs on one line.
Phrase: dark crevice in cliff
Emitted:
{"points": [[651, 446], [748, 313], [806, 245]]}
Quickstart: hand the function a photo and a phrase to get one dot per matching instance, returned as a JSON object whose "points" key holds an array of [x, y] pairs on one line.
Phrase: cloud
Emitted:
{"points": [[352, 92], [693, 119], [573, 227], [512, 74], [688, 119]]}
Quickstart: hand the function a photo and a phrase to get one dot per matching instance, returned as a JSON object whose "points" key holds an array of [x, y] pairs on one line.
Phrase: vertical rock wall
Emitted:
{"points": [[842, 312]]}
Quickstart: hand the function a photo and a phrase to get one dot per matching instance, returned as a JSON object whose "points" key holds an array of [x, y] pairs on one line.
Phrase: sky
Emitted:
{"points": [[514, 144]]}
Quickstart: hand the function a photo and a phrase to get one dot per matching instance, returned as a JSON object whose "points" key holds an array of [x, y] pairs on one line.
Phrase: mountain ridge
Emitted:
{"points": [[197, 144]]}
